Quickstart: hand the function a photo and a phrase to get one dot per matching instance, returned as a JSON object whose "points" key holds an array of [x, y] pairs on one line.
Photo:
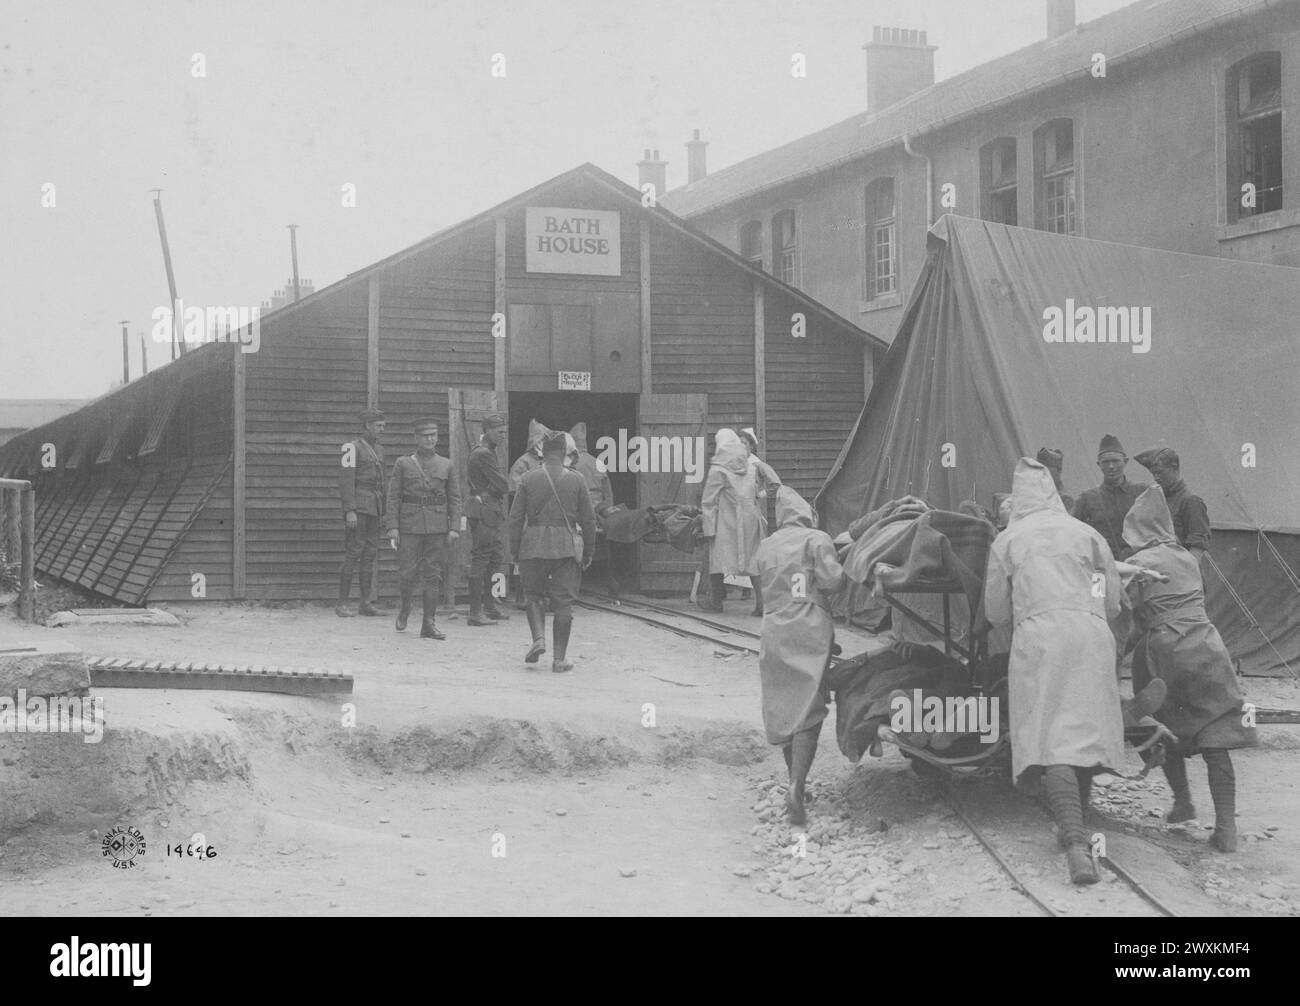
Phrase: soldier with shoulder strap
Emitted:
{"points": [[423, 513]]}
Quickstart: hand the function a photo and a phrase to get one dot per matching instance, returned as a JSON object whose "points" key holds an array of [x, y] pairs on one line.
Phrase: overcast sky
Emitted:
{"points": [[393, 96]]}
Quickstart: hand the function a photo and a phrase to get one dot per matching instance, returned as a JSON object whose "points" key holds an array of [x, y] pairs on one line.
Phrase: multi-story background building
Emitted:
{"points": [[1171, 124]]}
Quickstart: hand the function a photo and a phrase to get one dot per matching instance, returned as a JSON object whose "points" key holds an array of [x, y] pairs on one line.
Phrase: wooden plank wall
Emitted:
{"points": [[304, 389], [814, 393], [308, 382], [435, 332], [702, 328]]}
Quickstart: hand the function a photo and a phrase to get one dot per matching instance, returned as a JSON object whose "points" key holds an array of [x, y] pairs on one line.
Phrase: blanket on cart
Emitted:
{"points": [[937, 550]]}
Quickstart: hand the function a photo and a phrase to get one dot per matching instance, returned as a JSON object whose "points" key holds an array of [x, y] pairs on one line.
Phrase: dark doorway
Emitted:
{"points": [[605, 414]]}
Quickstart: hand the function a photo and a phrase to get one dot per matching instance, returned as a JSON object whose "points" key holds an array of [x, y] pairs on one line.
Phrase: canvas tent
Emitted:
{"points": [[972, 382]]}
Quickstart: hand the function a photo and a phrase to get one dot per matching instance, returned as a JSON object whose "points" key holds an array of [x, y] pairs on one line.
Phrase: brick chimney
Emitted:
{"points": [[695, 168], [651, 169], [1060, 17], [899, 63]]}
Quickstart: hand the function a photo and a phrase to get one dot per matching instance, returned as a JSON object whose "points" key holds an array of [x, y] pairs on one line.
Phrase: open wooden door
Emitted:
{"points": [[466, 408], [663, 568]]}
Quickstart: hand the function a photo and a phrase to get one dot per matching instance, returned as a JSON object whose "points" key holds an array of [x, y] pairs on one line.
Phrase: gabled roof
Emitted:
{"points": [[617, 188], [179, 368], [1123, 36]]}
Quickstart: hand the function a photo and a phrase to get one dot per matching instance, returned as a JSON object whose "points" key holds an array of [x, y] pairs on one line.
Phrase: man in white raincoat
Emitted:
{"points": [[797, 567], [1052, 580], [731, 519]]}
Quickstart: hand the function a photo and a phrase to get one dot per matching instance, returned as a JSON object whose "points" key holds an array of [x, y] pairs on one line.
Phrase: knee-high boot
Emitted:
{"points": [[1062, 787], [803, 749], [367, 583], [537, 626], [404, 610], [1175, 767], [476, 602], [1223, 790], [560, 629]]}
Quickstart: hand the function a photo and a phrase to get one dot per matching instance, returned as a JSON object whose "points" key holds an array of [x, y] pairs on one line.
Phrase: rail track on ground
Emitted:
{"points": [[696, 626]]}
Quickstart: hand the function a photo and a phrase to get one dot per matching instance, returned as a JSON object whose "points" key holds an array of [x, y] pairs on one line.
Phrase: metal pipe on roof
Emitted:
{"points": [[293, 251], [929, 178]]}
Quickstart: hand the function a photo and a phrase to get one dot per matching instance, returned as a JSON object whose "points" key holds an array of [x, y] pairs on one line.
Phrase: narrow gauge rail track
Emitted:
{"points": [[1018, 882], [647, 614], [645, 611]]}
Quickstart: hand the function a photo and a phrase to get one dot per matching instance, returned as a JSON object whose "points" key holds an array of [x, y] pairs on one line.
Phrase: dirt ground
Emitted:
{"points": [[640, 783]]}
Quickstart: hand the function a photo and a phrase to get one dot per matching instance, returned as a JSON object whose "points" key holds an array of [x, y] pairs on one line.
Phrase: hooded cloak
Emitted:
{"points": [[1052, 581], [798, 567], [1203, 706]]}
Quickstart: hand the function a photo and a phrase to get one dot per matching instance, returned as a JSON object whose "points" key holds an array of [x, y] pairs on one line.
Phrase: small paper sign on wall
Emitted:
{"points": [[581, 242], [575, 380]]}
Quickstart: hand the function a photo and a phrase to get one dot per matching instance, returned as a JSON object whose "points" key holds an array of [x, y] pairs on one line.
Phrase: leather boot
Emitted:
{"points": [[341, 609], [1083, 870], [803, 749], [758, 597], [428, 626], [717, 591], [1062, 790], [404, 612], [537, 626], [490, 608], [1223, 791], [476, 602], [1176, 773], [367, 580], [560, 629]]}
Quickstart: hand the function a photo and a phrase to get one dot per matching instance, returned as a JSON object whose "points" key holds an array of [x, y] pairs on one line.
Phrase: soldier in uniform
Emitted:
{"points": [[361, 490], [550, 508], [486, 511], [1191, 518], [422, 515], [1104, 507]]}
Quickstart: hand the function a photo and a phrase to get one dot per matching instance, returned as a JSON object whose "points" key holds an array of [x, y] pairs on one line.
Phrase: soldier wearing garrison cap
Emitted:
{"points": [[423, 514], [361, 490], [486, 513], [1104, 507], [1191, 517]]}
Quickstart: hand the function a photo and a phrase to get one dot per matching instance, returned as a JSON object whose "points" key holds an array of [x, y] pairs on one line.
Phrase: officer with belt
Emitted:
{"points": [[486, 512], [422, 515], [361, 490]]}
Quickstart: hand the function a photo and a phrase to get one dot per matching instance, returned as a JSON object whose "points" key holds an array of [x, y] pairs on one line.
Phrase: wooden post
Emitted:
{"points": [[13, 529], [372, 397], [499, 307], [647, 377], [239, 479], [760, 365], [27, 584], [372, 344]]}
